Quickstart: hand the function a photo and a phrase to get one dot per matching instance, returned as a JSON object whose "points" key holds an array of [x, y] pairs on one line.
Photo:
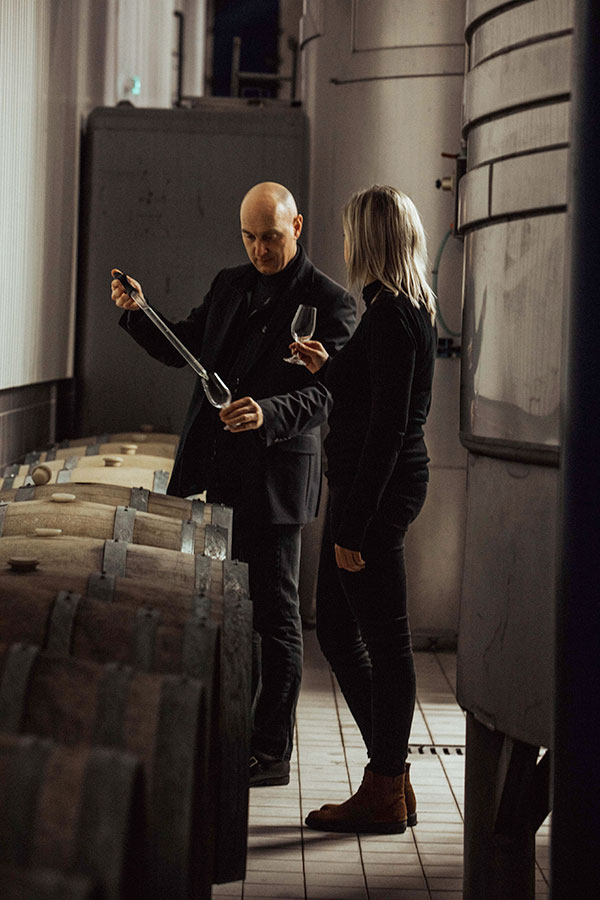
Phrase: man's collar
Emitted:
{"points": [[249, 274], [279, 281]]}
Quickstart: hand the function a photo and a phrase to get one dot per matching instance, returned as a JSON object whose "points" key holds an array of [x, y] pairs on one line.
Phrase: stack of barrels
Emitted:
{"points": [[125, 658]]}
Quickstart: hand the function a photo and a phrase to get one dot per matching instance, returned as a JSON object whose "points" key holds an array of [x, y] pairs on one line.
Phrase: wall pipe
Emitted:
{"points": [[434, 284], [180, 38], [576, 808]]}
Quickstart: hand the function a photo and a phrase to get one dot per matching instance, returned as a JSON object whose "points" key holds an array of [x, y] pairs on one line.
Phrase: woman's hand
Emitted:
{"points": [[350, 560], [120, 296], [312, 353]]}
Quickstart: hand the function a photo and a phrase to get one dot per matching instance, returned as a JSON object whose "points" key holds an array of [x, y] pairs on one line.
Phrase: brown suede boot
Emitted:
{"points": [[378, 807], [409, 798]]}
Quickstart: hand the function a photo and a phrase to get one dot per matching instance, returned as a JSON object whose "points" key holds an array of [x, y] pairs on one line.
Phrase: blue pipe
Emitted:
{"points": [[434, 280]]}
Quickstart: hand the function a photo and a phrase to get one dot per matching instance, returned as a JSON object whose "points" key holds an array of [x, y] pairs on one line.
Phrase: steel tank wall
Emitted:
{"points": [[382, 87], [512, 212]]}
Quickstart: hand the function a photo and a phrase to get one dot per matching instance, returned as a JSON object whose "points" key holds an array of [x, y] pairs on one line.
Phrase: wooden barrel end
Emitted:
{"points": [[41, 474]]}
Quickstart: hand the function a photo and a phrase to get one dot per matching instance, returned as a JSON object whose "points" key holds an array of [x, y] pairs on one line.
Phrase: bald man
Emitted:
{"points": [[262, 454]]}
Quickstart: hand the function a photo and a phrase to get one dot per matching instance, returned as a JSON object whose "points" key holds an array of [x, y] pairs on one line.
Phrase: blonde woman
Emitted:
{"points": [[377, 472]]}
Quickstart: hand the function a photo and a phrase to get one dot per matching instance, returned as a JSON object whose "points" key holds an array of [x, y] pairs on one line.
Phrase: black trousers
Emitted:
{"points": [[363, 629], [273, 556]]}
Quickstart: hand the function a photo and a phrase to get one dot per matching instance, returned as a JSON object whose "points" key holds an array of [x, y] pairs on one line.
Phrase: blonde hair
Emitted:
{"points": [[386, 242]]}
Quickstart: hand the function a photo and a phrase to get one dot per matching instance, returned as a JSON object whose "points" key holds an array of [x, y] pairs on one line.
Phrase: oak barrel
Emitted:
{"points": [[195, 510], [44, 884], [119, 448], [155, 480], [77, 810], [173, 605], [170, 567], [162, 719], [38, 608], [160, 629], [70, 624], [107, 460], [61, 510], [137, 437]]}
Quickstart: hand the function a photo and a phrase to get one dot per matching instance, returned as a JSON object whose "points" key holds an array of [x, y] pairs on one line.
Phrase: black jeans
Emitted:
{"points": [[363, 630], [273, 556]]}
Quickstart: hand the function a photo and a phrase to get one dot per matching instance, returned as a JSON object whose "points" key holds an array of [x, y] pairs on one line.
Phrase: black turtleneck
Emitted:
{"points": [[252, 319], [381, 386], [268, 287], [280, 281]]}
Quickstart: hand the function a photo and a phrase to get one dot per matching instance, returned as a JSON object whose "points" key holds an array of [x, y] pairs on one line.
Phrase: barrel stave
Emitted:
{"points": [[99, 461], [149, 729], [163, 720], [69, 553], [122, 495], [129, 477], [83, 518], [136, 437], [43, 586], [70, 818], [112, 448]]}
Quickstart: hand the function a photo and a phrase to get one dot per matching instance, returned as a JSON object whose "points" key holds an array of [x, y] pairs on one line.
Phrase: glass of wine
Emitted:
{"points": [[216, 390], [303, 328]]}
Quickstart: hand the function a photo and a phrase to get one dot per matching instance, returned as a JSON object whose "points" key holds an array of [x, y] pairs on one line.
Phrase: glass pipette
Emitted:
{"points": [[215, 388]]}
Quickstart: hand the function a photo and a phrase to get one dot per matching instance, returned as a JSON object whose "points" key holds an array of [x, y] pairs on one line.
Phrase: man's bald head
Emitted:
{"points": [[271, 226], [271, 195]]}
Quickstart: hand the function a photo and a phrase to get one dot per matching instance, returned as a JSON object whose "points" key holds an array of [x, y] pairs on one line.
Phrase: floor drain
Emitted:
{"points": [[437, 749]]}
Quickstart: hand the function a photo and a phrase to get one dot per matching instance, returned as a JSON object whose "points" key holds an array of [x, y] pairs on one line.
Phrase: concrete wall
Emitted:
{"points": [[382, 86]]}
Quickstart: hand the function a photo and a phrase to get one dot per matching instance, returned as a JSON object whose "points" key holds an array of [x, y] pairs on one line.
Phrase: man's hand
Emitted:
{"points": [[120, 296], [242, 415], [350, 560]]}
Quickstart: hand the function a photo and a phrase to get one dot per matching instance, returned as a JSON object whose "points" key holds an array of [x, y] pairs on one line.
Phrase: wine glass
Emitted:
{"points": [[216, 391], [303, 328]]}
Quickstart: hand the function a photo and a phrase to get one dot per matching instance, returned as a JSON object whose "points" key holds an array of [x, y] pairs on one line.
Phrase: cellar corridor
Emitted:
{"points": [[288, 860]]}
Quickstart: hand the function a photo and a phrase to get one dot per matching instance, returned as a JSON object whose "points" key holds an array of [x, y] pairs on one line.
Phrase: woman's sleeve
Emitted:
{"points": [[295, 412], [391, 354]]}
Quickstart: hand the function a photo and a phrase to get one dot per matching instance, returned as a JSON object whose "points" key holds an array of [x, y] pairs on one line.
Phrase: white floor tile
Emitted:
{"points": [[287, 860]]}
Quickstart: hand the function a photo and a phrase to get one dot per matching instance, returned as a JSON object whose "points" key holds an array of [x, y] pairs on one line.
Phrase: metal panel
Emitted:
{"points": [[513, 311], [163, 195], [406, 23], [476, 9], [520, 132], [531, 74], [529, 183], [404, 62], [441, 430], [473, 198], [505, 648], [526, 22], [395, 39]]}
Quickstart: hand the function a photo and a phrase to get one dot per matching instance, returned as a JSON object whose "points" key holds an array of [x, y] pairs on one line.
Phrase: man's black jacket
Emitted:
{"points": [[279, 465]]}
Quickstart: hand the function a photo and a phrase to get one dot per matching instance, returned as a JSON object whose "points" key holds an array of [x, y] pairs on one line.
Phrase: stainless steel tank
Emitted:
{"points": [[512, 213]]}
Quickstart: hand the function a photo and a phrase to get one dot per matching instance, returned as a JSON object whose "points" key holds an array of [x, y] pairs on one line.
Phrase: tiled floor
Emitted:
{"points": [[288, 860]]}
